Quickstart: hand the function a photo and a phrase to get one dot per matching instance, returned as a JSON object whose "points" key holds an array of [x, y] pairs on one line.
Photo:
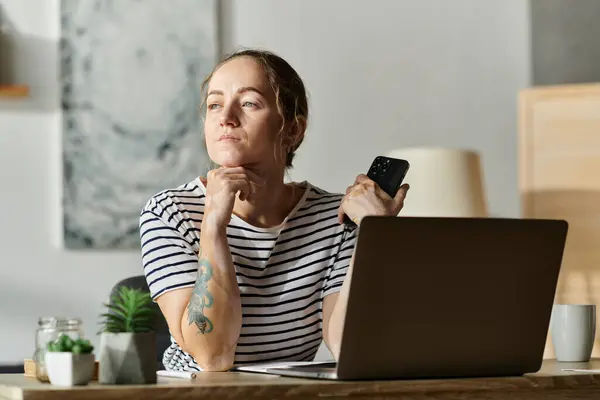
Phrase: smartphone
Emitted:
{"points": [[388, 173]]}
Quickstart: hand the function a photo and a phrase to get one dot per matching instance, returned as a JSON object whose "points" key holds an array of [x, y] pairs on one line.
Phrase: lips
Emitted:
{"points": [[228, 138]]}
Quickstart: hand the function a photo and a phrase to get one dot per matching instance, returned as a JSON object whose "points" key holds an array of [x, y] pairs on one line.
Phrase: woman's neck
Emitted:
{"points": [[271, 203]]}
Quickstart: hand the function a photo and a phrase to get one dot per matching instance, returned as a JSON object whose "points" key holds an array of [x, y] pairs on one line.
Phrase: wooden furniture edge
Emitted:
{"points": [[541, 385], [561, 90], [13, 91], [524, 147]]}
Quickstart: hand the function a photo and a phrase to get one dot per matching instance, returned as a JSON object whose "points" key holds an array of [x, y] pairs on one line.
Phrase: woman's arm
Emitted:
{"points": [[362, 199], [206, 320], [334, 312]]}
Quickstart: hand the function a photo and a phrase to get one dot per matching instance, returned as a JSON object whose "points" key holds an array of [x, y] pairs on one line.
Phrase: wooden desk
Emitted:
{"points": [[549, 383]]}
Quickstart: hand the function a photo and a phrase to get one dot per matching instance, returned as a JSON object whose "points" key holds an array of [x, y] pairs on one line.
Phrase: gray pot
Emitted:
{"points": [[127, 358]]}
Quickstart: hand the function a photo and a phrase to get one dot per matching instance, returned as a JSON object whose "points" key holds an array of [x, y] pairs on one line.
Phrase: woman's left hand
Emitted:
{"points": [[365, 197]]}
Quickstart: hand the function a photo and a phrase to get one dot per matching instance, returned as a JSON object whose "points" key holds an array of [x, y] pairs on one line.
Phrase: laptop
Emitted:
{"points": [[444, 298]]}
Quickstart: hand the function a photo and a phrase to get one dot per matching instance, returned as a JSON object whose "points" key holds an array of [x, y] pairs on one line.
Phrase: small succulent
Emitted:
{"points": [[65, 344], [129, 311]]}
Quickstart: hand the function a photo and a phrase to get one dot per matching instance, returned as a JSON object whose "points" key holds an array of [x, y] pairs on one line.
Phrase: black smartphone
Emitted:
{"points": [[388, 173]]}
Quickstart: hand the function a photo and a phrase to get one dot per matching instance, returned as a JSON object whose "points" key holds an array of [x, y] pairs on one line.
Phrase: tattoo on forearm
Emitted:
{"points": [[201, 297]]}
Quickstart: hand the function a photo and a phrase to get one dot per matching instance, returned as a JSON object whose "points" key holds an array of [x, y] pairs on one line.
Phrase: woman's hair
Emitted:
{"points": [[290, 93]]}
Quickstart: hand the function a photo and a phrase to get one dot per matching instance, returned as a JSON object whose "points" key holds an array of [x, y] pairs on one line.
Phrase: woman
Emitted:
{"points": [[244, 267]]}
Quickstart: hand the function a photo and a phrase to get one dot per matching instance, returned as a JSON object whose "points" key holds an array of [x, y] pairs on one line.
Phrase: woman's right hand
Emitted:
{"points": [[222, 187]]}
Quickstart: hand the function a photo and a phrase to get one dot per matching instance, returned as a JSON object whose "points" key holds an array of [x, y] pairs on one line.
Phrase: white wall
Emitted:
{"points": [[36, 277], [399, 73], [380, 74]]}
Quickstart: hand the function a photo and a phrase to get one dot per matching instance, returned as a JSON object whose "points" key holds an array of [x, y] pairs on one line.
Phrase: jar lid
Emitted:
{"points": [[55, 322]]}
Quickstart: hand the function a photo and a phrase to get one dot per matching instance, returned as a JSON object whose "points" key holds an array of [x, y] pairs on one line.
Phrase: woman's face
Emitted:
{"points": [[242, 122]]}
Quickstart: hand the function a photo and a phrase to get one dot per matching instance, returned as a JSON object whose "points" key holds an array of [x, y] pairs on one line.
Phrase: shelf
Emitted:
{"points": [[13, 91]]}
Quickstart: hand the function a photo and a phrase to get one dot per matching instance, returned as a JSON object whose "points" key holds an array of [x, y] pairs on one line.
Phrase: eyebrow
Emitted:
{"points": [[240, 90]]}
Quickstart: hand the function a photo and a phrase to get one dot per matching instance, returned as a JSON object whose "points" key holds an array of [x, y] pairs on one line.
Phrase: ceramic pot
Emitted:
{"points": [[68, 369], [127, 358]]}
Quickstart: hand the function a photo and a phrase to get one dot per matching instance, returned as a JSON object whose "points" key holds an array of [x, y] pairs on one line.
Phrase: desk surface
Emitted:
{"points": [[549, 383]]}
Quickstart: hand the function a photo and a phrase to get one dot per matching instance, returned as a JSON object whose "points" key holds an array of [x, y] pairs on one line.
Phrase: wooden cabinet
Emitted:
{"points": [[559, 177]]}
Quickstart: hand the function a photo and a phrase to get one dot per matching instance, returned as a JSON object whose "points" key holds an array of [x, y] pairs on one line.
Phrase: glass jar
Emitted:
{"points": [[48, 330]]}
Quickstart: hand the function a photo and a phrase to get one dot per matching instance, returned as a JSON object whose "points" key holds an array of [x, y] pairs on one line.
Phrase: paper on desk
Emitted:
{"points": [[590, 371], [176, 374]]}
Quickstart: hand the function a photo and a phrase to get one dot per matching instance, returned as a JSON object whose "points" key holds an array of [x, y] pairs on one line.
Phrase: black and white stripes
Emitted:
{"points": [[283, 272]]}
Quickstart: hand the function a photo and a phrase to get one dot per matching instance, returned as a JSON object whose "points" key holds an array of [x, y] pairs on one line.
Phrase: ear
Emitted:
{"points": [[297, 131]]}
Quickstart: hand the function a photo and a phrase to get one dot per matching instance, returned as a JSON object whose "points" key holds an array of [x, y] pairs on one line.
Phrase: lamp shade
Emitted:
{"points": [[443, 182]]}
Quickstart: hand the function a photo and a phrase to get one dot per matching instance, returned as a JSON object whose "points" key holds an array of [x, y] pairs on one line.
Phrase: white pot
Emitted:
{"points": [[68, 369]]}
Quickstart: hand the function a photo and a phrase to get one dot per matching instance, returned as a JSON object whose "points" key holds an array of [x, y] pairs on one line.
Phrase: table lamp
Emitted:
{"points": [[443, 182]]}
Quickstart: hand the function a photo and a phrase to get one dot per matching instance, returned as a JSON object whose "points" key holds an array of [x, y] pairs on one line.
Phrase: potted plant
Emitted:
{"points": [[69, 362], [127, 340]]}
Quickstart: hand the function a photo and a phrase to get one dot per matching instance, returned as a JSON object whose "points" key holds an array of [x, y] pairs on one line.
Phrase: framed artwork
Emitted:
{"points": [[131, 73]]}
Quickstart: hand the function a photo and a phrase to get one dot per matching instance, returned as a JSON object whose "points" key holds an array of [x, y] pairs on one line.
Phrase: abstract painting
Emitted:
{"points": [[131, 73]]}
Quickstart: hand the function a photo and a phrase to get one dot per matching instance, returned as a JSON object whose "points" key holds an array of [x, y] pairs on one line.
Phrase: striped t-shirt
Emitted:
{"points": [[283, 272]]}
